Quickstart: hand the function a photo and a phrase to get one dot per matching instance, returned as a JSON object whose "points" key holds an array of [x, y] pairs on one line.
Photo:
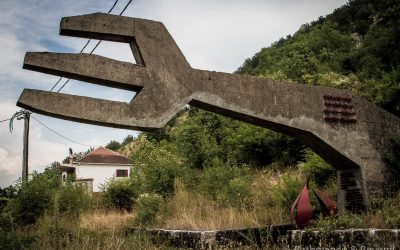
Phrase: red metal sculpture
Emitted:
{"points": [[303, 213]]}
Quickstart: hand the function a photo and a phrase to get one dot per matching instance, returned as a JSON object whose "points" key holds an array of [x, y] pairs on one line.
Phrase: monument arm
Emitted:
{"points": [[281, 105], [89, 68], [85, 109], [150, 41]]}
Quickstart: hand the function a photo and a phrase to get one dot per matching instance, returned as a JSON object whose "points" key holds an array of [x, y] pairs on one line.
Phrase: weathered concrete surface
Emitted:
{"points": [[346, 130]]}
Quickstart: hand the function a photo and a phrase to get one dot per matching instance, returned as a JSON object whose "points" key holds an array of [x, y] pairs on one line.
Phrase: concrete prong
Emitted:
{"points": [[99, 26], [90, 68], [69, 107]]}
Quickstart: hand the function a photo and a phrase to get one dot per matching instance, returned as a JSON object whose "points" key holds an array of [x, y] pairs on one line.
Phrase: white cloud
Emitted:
{"points": [[9, 165]]}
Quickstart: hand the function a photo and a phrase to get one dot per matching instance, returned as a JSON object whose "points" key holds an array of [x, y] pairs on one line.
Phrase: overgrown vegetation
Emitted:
{"points": [[383, 214], [206, 171]]}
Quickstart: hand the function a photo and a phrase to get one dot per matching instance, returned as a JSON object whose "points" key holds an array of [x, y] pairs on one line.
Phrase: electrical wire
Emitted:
{"points": [[127, 5], [5, 120], [44, 125], [98, 43], [84, 47], [65, 83]]}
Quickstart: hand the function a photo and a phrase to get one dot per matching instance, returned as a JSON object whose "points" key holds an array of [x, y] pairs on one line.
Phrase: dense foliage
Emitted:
{"points": [[43, 192], [35, 197], [120, 193]]}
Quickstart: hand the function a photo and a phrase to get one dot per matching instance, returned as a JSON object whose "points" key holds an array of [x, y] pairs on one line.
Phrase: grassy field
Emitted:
{"points": [[100, 227]]}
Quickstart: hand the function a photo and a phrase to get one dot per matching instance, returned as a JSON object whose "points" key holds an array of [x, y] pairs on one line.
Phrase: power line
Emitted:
{"points": [[98, 43], [59, 133], [84, 47], [122, 12], [55, 84], [65, 83], [5, 120]]}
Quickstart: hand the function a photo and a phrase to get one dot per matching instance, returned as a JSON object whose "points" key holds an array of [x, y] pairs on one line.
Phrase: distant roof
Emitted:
{"points": [[104, 156]]}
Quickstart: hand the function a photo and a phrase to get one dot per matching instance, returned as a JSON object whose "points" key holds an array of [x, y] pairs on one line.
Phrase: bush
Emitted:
{"points": [[383, 214], [237, 193], [156, 168], [14, 240], [317, 169], [340, 221], [288, 189], [230, 185], [119, 193], [148, 205], [73, 200], [35, 196]]}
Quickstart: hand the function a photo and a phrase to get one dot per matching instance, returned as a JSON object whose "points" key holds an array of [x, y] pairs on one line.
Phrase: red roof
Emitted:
{"points": [[104, 156]]}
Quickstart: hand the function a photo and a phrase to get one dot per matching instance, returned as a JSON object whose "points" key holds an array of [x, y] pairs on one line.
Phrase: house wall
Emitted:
{"points": [[99, 173]]}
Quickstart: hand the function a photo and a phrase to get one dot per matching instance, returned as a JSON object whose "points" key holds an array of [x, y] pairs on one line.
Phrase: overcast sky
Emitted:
{"points": [[213, 34]]}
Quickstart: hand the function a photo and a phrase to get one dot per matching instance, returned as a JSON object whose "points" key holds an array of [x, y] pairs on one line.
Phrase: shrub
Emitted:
{"points": [[237, 193], [383, 214], [15, 240], [35, 196], [317, 169], [73, 200], [288, 189], [148, 205], [155, 169], [119, 193], [230, 185], [341, 221]]}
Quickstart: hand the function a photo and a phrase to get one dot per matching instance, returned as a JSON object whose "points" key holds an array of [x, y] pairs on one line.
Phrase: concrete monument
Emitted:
{"points": [[346, 130]]}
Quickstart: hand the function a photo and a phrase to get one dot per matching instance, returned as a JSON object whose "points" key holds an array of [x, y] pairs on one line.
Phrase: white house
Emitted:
{"points": [[95, 168]]}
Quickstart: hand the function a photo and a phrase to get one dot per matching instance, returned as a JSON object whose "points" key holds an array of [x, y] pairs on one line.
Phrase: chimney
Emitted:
{"points": [[71, 157]]}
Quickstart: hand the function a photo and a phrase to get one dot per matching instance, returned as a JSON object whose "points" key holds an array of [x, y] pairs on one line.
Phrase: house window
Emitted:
{"points": [[122, 172]]}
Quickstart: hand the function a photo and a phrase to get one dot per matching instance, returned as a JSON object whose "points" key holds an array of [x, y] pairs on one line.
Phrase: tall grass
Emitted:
{"points": [[106, 220], [98, 230], [192, 210]]}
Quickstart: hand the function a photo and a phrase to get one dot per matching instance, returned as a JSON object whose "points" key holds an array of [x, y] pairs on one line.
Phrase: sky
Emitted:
{"points": [[212, 34]]}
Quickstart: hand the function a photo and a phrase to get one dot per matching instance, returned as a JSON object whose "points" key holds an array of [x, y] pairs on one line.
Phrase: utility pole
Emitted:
{"points": [[26, 115], [25, 171]]}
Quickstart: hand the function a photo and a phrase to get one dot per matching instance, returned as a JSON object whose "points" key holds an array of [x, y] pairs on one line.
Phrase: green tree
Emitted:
{"points": [[113, 145]]}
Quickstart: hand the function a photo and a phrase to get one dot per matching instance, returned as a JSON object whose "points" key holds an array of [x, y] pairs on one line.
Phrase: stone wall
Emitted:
{"points": [[277, 237]]}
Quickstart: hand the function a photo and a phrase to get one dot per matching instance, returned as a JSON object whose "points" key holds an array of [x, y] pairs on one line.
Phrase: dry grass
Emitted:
{"points": [[103, 220], [131, 147], [190, 210], [96, 230]]}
